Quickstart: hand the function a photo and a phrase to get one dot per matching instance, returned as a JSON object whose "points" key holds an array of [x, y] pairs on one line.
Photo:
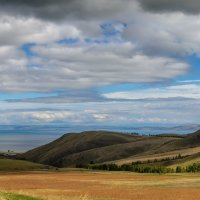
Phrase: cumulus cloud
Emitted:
{"points": [[15, 31], [165, 34], [37, 117], [74, 47], [191, 7], [47, 116], [85, 66]]}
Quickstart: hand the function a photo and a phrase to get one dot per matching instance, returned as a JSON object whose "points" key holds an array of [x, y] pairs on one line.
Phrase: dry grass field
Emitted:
{"points": [[75, 185]]}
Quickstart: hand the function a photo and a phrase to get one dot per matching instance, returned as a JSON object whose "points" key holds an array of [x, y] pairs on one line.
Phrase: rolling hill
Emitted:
{"points": [[188, 147], [20, 165], [72, 150], [190, 141]]}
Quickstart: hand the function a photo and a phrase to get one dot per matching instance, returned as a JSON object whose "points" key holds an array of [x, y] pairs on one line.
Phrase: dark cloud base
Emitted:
{"points": [[91, 9], [62, 9], [185, 6]]}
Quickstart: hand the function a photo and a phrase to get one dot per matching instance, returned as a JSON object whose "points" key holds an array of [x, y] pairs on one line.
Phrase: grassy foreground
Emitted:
{"points": [[11, 196], [19, 165]]}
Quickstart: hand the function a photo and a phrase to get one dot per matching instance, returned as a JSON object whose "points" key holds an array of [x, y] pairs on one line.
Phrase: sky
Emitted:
{"points": [[91, 62]]}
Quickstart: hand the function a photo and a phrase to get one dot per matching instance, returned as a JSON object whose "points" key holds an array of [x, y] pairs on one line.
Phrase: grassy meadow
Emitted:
{"points": [[12, 196], [91, 185], [19, 165]]}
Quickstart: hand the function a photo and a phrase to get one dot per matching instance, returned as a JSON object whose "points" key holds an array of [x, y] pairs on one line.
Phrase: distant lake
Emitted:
{"points": [[23, 138]]}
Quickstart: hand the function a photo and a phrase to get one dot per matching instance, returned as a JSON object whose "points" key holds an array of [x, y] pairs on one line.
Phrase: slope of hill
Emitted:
{"points": [[19, 165], [195, 158], [95, 146], [190, 141], [184, 153]]}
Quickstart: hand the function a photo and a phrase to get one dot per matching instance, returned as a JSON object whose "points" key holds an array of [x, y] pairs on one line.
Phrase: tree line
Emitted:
{"points": [[144, 168]]}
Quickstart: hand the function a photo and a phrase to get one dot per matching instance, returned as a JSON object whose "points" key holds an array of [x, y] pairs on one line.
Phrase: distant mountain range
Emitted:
{"points": [[37, 129], [186, 128]]}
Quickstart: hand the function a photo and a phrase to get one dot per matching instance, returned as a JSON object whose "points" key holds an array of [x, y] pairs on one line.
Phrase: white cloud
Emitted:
{"points": [[105, 113], [89, 66], [101, 117], [189, 81], [48, 116], [15, 31], [165, 34], [179, 91], [82, 66], [148, 50]]}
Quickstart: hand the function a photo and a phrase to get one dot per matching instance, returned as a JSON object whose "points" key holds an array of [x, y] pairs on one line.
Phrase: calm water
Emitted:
{"points": [[23, 138]]}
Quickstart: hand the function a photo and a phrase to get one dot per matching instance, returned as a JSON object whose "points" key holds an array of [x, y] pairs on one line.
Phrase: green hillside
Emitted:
{"points": [[19, 165], [190, 141], [94, 146]]}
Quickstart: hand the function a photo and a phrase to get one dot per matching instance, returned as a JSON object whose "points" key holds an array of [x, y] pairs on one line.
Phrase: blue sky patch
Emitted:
{"points": [[27, 49], [68, 41]]}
